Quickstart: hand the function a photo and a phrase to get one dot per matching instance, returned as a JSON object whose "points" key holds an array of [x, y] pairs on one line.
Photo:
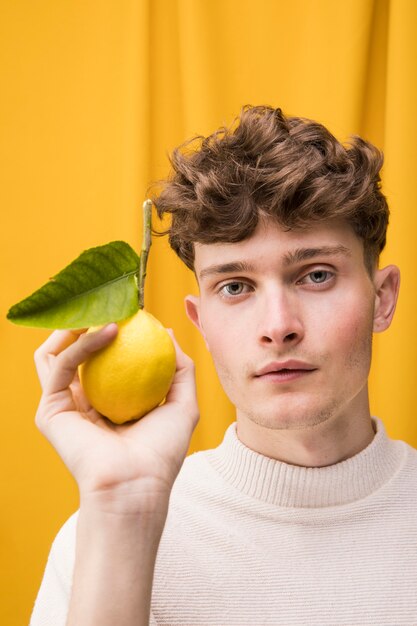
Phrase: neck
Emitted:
{"points": [[293, 487], [332, 440]]}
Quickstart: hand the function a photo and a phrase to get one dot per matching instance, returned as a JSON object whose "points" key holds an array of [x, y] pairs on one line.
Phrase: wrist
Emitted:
{"points": [[108, 527], [126, 501]]}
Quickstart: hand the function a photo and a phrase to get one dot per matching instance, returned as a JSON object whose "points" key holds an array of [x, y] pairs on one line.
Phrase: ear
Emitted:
{"points": [[387, 284], [192, 308]]}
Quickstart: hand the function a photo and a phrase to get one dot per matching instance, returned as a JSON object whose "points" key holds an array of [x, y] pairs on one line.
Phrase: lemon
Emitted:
{"points": [[132, 375]]}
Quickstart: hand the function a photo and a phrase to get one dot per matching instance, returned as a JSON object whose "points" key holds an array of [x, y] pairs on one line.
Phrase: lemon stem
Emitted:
{"points": [[146, 244]]}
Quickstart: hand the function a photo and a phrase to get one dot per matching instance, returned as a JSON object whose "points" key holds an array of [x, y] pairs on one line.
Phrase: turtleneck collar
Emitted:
{"points": [[281, 484]]}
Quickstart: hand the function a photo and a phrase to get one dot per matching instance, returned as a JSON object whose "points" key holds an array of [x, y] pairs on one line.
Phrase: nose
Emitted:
{"points": [[280, 319]]}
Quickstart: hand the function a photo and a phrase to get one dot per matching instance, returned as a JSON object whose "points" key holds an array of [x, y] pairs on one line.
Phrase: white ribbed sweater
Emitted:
{"points": [[250, 541]]}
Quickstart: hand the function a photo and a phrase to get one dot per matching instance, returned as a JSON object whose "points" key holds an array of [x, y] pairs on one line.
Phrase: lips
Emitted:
{"points": [[284, 369]]}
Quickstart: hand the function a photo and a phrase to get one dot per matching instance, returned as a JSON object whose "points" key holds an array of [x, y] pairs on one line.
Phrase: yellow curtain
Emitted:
{"points": [[94, 96]]}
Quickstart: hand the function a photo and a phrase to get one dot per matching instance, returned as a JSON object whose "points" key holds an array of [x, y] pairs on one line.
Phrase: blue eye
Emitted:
{"points": [[234, 289], [319, 276]]}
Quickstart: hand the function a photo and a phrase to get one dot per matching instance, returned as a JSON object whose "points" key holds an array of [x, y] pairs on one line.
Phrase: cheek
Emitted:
{"points": [[221, 342], [353, 337], [220, 332], [224, 342]]}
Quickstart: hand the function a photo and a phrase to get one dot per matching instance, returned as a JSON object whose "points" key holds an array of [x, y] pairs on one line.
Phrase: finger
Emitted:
{"points": [[80, 400], [183, 386], [67, 362], [57, 341], [185, 365]]}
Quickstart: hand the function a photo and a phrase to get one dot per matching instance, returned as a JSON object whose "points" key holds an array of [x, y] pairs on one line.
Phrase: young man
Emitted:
{"points": [[306, 514]]}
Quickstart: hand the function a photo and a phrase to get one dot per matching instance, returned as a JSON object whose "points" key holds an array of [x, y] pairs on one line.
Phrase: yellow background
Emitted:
{"points": [[94, 94]]}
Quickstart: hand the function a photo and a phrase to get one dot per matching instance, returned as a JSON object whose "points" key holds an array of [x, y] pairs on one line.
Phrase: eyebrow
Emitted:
{"points": [[227, 268], [290, 258], [305, 254]]}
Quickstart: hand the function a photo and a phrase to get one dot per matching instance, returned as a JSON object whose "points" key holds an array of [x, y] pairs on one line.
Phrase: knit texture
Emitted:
{"points": [[250, 541]]}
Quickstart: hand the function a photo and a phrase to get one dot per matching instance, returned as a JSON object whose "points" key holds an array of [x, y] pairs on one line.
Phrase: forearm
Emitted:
{"points": [[114, 565]]}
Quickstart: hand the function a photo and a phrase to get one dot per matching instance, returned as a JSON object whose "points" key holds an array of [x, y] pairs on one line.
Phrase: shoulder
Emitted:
{"points": [[198, 474], [410, 457], [51, 604], [403, 484], [62, 555], [199, 488]]}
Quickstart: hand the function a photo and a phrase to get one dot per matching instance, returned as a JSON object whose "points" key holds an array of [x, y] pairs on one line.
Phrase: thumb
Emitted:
{"points": [[183, 388]]}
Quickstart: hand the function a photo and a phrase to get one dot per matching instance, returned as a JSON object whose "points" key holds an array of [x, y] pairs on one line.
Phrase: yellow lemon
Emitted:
{"points": [[132, 375]]}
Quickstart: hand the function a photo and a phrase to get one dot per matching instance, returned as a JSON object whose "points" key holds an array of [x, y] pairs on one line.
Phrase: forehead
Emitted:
{"points": [[271, 244]]}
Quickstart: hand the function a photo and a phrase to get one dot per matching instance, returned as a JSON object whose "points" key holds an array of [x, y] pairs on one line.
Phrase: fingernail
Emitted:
{"points": [[107, 329], [110, 327]]}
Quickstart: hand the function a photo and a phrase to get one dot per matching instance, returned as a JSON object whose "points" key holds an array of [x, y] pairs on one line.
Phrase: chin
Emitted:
{"points": [[298, 418]]}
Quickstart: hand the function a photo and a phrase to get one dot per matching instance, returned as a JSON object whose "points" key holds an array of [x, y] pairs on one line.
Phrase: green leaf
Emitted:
{"points": [[100, 286]]}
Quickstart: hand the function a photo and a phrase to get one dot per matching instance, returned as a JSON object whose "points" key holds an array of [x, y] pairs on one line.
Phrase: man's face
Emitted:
{"points": [[288, 317]]}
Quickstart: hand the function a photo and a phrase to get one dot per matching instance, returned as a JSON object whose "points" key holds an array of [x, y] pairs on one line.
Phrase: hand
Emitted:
{"points": [[124, 468]]}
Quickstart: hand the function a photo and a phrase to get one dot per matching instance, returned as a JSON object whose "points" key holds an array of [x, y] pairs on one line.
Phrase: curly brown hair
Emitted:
{"points": [[290, 169]]}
